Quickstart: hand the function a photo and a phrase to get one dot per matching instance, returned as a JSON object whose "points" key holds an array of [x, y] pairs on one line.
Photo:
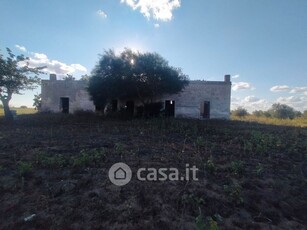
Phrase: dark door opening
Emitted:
{"points": [[98, 108], [169, 108], [65, 104], [206, 113], [130, 108], [114, 105]]}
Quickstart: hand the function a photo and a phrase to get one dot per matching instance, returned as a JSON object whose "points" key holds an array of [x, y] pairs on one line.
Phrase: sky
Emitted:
{"points": [[262, 44]]}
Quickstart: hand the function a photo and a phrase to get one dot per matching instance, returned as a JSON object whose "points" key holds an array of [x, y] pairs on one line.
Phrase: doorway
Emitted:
{"points": [[130, 108], [206, 112], [169, 108], [64, 104], [114, 105]]}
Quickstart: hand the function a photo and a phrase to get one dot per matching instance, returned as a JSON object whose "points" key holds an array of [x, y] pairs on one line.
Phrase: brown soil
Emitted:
{"points": [[251, 176]]}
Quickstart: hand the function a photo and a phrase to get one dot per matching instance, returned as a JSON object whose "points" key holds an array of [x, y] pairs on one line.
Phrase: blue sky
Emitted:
{"points": [[262, 44]]}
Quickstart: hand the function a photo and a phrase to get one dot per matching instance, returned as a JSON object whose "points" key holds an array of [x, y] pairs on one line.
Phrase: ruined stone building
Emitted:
{"points": [[200, 99]]}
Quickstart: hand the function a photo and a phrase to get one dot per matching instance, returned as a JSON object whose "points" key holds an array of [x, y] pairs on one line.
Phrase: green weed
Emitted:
{"points": [[210, 166], [208, 224], [234, 192], [259, 169], [56, 161], [89, 158], [24, 169], [237, 167]]}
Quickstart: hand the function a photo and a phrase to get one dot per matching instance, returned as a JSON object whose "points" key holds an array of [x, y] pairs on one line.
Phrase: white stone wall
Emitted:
{"points": [[53, 90], [188, 103]]}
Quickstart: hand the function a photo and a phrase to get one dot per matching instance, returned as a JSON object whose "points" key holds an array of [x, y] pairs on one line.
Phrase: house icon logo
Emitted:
{"points": [[120, 174]]}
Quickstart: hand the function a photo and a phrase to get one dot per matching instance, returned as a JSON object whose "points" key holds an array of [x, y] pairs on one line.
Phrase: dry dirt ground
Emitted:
{"points": [[54, 174]]}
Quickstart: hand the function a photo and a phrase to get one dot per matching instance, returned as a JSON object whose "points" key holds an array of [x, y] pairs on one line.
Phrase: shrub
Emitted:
{"points": [[282, 111], [240, 112]]}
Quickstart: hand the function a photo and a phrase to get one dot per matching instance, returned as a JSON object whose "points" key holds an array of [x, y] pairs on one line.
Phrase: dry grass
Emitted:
{"points": [[20, 111], [297, 122]]}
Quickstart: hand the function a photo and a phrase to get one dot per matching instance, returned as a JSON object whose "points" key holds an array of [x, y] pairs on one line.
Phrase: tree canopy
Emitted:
{"points": [[282, 111], [15, 76], [143, 76]]}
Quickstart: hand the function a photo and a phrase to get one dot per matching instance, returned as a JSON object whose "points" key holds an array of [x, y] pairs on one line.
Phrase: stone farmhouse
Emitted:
{"points": [[200, 99]]}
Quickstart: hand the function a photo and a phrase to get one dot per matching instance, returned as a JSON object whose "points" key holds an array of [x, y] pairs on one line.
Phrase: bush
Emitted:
{"points": [[23, 107], [282, 111], [258, 113], [240, 112]]}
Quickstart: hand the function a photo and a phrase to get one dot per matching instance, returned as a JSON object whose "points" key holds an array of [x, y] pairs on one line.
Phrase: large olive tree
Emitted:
{"points": [[144, 76]]}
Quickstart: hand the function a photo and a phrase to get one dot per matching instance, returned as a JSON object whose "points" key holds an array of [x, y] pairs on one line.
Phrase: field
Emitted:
{"points": [[298, 122], [20, 111], [54, 174]]}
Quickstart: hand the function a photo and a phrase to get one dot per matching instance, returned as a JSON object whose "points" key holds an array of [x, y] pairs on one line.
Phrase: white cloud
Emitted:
{"points": [[298, 103], [279, 88], [156, 25], [299, 90], [102, 14], [235, 76], [54, 66], [157, 9], [251, 103], [251, 99], [21, 48], [40, 56], [79, 67], [241, 85]]}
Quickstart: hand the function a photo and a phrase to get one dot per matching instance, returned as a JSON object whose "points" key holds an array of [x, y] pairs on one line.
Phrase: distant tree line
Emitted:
{"points": [[279, 111]]}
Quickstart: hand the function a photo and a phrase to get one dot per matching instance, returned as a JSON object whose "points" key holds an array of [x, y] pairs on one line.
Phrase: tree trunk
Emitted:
{"points": [[7, 112]]}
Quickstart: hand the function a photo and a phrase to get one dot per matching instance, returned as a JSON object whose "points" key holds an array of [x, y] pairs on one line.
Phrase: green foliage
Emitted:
{"points": [[210, 166], [260, 113], [240, 112], [304, 114], [119, 148], [24, 169], [282, 111], [200, 222], [143, 76], [54, 161], [259, 169], [89, 158], [200, 141], [37, 101], [237, 167], [208, 224], [85, 77], [234, 192], [83, 160], [15, 76], [69, 77]]}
